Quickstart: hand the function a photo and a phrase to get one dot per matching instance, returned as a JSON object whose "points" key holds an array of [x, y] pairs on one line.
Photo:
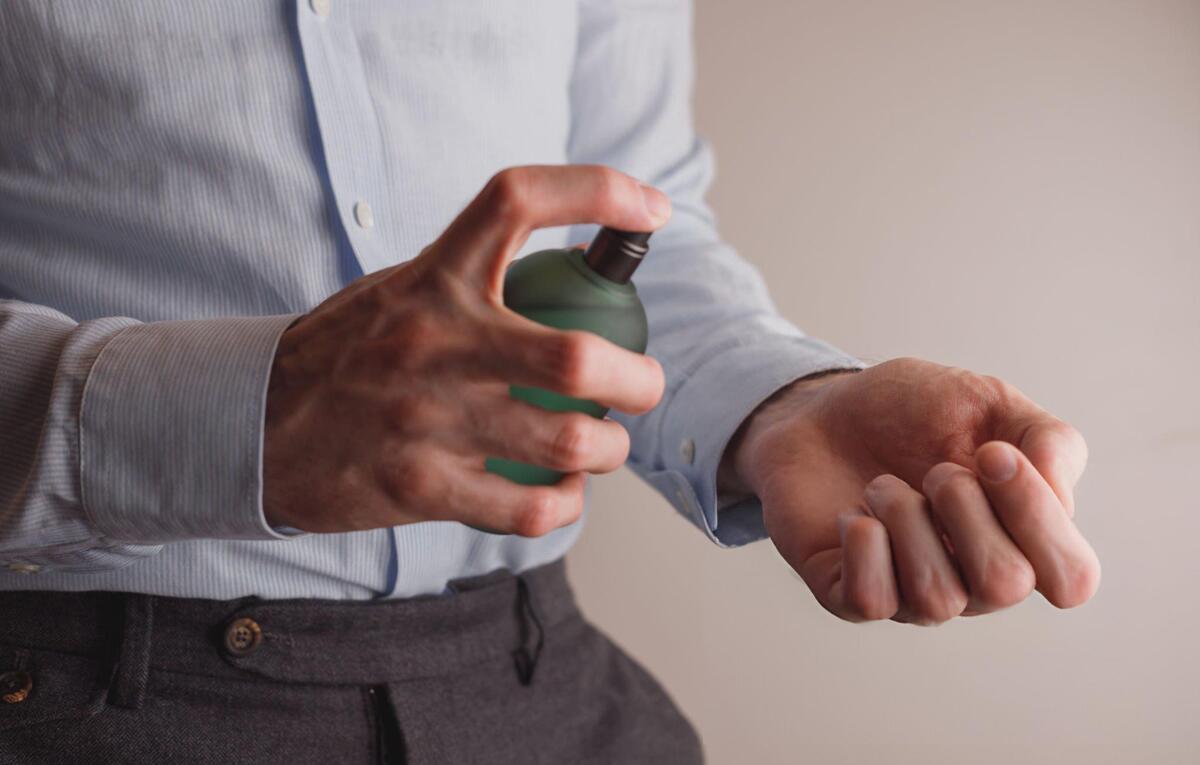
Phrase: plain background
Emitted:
{"points": [[1012, 187]]}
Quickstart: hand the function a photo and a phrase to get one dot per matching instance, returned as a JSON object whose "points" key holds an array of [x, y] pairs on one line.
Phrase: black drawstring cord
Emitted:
{"points": [[525, 662]]}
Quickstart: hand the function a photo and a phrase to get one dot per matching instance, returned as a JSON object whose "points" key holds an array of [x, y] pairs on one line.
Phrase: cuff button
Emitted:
{"points": [[687, 450]]}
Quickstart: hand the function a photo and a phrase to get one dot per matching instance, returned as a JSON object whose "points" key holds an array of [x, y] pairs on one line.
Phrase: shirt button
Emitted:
{"points": [[320, 7], [15, 686], [687, 450], [24, 568], [242, 636], [364, 215]]}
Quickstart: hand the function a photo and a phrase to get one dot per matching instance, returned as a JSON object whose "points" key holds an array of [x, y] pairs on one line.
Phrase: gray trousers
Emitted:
{"points": [[503, 670]]}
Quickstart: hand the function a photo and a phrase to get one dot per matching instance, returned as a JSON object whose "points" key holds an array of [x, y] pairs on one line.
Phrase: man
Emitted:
{"points": [[239, 523]]}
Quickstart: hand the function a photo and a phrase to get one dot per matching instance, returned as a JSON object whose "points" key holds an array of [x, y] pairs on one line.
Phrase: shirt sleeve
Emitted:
{"points": [[118, 436], [720, 340]]}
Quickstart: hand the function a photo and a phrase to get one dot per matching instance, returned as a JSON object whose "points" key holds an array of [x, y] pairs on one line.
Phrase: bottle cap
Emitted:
{"points": [[616, 254]]}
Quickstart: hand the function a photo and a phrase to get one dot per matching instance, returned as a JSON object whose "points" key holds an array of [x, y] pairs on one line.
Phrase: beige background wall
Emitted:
{"points": [[1008, 186]]}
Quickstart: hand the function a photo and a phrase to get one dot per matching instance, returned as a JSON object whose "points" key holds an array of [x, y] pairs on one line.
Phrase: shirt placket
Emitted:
{"points": [[353, 147], [349, 130]]}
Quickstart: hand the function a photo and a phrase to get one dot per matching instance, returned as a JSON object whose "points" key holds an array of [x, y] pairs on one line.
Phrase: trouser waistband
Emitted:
{"points": [[297, 640]]}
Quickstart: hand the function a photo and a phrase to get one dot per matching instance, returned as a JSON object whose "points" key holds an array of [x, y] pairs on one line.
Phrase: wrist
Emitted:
{"points": [[793, 405]]}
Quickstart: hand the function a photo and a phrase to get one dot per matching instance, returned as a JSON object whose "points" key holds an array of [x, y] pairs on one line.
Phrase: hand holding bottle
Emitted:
{"points": [[385, 400]]}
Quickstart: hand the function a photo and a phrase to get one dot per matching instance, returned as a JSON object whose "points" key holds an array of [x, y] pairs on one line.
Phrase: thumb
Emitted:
{"points": [[481, 241], [1059, 453], [1054, 448]]}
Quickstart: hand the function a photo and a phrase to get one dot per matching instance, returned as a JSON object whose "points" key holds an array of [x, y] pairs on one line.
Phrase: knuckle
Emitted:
{"points": [[441, 284], [660, 379], [414, 340], [407, 412], [571, 444], [935, 601], [949, 482], [867, 603], [610, 180], [1006, 581], [418, 270], [978, 392], [869, 599], [625, 444], [414, 479], [508, 193], [991, 386], [570, 358], [570, 508], [1072, 436], [1075, 585], [891, 496], [538, 514], [610, 184], [883, 484]]}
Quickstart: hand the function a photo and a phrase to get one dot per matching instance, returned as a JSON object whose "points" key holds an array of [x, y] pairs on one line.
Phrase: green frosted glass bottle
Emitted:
{"points": [[576, 289]]}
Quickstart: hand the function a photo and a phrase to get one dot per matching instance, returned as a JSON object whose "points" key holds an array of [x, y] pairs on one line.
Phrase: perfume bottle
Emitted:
{"points": [[576, 289]]}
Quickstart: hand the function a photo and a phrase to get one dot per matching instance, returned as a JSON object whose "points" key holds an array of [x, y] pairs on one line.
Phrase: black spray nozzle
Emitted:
{"points": [[616, 254]]}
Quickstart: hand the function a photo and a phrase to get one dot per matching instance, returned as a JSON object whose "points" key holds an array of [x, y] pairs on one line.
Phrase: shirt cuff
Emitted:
{"points": [[171, 430], [708, 408]]}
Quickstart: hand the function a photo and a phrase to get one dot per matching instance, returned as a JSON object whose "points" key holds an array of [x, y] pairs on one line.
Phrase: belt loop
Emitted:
{"points": [[132, 670], [525, 661]]}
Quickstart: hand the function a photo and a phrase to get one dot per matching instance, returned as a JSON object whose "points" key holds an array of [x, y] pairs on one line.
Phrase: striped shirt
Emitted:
{"points": [[179, 181]]}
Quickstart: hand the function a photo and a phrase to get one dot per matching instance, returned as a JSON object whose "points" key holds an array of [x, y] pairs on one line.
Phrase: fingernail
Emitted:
{"points": [[657, 204], [997, 463]]}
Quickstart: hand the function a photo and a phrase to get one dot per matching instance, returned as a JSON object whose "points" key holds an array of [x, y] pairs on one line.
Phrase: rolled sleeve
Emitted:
{"points": [[171, 430]]}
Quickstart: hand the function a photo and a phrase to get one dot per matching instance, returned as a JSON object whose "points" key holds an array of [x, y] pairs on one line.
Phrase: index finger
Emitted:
{"points": [[489, 231], [1052, 446], [1059, 453], [1065, 565]]}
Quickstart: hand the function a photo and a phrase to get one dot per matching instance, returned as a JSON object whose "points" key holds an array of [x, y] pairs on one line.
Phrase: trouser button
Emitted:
{"points": [[242, 636], [15, 686]]}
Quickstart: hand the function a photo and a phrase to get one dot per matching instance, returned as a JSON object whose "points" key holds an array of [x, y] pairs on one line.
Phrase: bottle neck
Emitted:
{"points": [[616, 254]]}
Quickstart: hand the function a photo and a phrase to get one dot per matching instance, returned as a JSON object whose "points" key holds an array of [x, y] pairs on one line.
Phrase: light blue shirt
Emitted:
{"points": [[178, 181]]}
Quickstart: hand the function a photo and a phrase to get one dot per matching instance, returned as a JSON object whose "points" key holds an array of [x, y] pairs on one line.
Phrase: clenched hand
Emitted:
{"points": [[917, 492], [386, 399]]}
